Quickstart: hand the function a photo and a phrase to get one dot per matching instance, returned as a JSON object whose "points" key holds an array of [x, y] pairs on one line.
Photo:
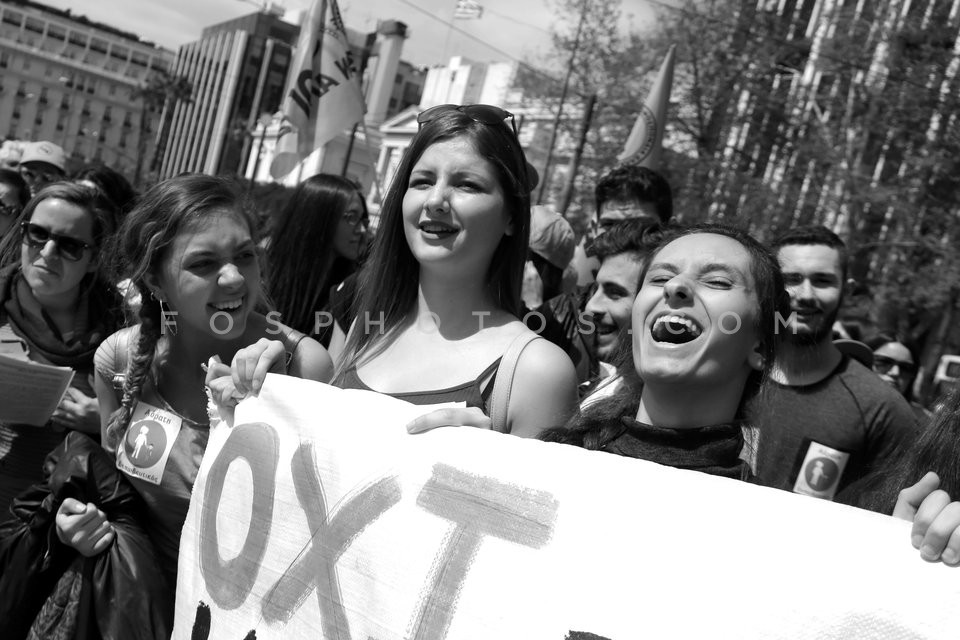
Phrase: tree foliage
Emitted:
{"points": [[798, 112]]}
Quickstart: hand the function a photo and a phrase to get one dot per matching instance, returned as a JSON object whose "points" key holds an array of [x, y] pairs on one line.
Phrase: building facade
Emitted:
{"points": [[74, 82], [239, 70]]}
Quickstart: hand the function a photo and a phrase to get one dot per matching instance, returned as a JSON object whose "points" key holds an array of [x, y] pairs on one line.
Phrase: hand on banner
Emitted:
{"points": [[455, 417], [936, 520], [251, 365], [84, 527], [219, 381]]}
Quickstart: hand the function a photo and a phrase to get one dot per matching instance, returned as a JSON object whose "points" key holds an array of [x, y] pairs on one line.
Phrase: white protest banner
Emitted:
{"points": [[317, 516]]}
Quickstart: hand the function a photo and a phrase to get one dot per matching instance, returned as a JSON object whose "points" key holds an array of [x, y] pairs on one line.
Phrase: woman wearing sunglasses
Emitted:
{"points": [[315, 245], [896, 365], [56, 307], [437, 315]]}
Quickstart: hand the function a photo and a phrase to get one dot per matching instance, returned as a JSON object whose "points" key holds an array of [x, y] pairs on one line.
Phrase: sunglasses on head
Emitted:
{"points": [[37, 237], [482, 113], [883, 364]]}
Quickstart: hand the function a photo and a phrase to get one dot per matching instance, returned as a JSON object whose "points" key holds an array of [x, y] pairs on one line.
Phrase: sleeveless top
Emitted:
{"points": [[474, 393], [167, 503]]}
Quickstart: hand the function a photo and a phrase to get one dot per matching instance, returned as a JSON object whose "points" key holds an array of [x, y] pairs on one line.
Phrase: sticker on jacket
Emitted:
{"points": [[821, 471], [147, 443]]}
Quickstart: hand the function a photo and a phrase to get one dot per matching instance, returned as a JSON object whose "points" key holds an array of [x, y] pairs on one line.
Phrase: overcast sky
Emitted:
{"points": [[504, 26]]}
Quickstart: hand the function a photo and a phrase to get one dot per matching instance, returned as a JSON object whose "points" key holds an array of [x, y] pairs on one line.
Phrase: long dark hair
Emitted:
{"points": [[599, 423], [389, 281], [301, 257], [142, 244]]}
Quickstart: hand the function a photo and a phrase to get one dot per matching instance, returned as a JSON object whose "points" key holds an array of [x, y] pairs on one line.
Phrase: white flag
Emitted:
{"points": [[323, 95], [467, 9]]}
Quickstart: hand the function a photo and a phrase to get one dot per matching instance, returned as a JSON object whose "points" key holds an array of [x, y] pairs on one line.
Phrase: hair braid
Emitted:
{"points": [[139, 368]]}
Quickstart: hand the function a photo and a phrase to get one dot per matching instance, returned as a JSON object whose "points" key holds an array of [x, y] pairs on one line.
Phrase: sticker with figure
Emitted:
{"points": [[821, 471], [147, 442]]}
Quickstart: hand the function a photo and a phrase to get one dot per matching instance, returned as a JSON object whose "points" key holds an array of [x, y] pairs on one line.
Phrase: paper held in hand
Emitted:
{"points": [[30, 391]]}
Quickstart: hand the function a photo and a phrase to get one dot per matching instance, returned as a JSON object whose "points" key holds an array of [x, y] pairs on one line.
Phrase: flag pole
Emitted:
{"points": [[545, 176]]}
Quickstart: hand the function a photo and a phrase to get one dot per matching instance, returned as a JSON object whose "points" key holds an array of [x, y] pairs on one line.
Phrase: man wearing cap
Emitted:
{"points": [[42, 163], [825, 420]]}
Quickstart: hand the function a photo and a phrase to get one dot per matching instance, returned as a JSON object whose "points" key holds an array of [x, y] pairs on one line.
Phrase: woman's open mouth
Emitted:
{"points": [[229, 305], [675, 329], [438, 229]]}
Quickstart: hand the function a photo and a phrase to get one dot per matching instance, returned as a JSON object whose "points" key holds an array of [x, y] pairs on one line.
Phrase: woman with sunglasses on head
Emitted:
{"points": [[189, 248], [315, 245], [436, 321], [56, 307]]}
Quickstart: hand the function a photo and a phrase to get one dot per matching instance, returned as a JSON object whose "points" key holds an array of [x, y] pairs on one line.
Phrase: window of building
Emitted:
{"points": [[79, 39], [55, 32], [140, 58], [26, 64], [33, 24], [107, 115], [112, 89], [4, 60], [12, 17], [120, 53], [98, 45]]}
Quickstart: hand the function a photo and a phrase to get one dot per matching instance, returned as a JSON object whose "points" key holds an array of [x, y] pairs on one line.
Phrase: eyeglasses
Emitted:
{"points": [[9, 210], [482, 113], [353, 218], [883, 364], [37, 237]]}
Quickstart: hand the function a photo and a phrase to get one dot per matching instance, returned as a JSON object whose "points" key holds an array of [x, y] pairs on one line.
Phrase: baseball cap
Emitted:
{"points": [[551, 237], [856, 350], [44, 151]]}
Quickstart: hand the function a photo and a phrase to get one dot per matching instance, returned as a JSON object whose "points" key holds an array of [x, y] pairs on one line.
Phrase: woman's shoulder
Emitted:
{"points": [[306, 357], [113, 353]]}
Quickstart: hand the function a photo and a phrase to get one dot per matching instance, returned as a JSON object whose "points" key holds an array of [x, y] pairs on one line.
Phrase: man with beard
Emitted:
{"points": [[826, 419]]}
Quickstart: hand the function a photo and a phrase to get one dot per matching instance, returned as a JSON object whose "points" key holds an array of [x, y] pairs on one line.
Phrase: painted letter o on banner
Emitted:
{"points": [[230, 581]]}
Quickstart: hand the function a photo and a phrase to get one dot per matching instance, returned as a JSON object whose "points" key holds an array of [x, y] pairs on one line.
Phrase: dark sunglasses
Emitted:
{"points": [[482, 113], [9, 210], [37, 237], [883, 364]]}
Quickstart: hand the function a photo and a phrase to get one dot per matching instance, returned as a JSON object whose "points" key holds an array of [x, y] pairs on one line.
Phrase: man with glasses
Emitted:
{"points": [[42, 163], [825, 419]]}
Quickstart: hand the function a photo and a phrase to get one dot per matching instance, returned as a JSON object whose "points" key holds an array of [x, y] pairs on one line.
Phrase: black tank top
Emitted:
{"points": [[473, 393]]}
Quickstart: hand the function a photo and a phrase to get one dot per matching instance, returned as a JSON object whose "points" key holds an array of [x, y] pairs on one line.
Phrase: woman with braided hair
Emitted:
{"points": [[189, 249]]}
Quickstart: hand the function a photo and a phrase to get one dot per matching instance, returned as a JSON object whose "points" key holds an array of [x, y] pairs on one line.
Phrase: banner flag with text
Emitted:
{"points": [[323, 95], [317, 516]]}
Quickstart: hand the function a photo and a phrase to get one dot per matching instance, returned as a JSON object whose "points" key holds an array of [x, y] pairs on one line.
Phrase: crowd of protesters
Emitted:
{"points": [[696, 346]]}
